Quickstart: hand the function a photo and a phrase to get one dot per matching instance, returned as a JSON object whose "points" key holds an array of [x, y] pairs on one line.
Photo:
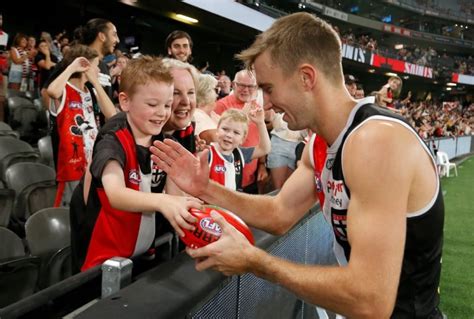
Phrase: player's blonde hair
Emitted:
{"points": [[299, 38]]}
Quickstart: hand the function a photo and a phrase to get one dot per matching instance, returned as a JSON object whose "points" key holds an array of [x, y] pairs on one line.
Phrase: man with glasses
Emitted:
{"points": [[245, 91]]}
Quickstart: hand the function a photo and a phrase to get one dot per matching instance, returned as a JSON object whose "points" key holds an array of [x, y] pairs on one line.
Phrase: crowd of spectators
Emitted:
{"points": [[442, 63], [432, 119]]}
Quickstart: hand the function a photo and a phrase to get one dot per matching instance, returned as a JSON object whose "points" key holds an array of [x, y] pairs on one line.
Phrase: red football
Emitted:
{"points": [[208, 231]]}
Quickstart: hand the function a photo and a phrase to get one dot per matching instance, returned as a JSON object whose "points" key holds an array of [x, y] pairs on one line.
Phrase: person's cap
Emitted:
{"points": [[349, 79]]}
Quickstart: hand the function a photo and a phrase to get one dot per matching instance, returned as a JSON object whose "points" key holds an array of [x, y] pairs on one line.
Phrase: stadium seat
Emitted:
{"points": [[35, 187], [445, 165], [23, 116], [16, 93], [6, 130], [12, 245], [45, 148], [18, 279], [48, 235], [14, 151], [7, 198]]}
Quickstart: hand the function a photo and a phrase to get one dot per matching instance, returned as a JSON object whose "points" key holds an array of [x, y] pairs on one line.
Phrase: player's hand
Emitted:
{"points": [[176, 211], [188, 172], [230, 254]]}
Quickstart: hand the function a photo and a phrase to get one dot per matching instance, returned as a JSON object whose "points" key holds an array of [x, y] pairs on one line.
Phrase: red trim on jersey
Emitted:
{"points": [[319, 152]]}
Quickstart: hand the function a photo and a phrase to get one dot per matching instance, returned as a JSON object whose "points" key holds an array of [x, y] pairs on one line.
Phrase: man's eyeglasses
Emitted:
{"points": [[245, 86]]}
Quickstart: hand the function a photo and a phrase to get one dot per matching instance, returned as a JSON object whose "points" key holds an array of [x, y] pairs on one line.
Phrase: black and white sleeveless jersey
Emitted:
{"points": [[418, 289]]}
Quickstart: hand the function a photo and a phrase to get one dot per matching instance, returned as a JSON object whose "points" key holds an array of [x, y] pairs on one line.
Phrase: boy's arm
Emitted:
{"points": [[55, 89], [174, 208], [264, 146], [105, 104]]}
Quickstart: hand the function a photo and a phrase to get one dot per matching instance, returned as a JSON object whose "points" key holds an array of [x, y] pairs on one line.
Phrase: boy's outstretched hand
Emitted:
{"points": [[188, 172], [176, 211]]}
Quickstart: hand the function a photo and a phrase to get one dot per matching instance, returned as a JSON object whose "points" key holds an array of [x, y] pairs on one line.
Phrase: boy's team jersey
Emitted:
{"points": [[100, 231]]}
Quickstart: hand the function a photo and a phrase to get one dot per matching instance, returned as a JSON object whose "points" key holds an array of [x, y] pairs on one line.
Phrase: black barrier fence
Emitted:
{"points": [[176, 290]]}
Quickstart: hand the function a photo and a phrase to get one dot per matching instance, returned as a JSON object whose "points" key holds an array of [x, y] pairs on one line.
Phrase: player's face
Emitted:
{"points": [[111, 40], [184, 100], [230, 135], [148, 108], [180, 49], [284, 94]]}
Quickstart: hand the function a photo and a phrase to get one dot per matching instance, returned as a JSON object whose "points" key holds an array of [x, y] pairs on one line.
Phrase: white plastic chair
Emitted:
{"points": [[445, 165]]}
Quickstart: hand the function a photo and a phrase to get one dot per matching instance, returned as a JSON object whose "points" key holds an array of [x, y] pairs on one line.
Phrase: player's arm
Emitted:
{"points": [[283, 210], [367, 286]]}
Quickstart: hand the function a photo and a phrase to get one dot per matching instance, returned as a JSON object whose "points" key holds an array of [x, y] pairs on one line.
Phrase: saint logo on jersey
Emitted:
{"points": [[339, 224], [238, 166], [134, 177], [157, 176], [329, 163]]}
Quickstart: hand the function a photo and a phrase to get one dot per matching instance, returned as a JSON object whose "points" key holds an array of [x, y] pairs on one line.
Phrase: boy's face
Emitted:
{"points": [[184, 100], [148, 108], [230, 135]]}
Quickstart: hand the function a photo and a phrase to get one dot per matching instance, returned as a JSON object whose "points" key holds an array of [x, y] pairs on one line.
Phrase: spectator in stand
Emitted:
{"points": [[116, 73], [3, 66], [65, 49], [224, 84], [359, 93], [101, 35], [389, 91], [63, 42], [205, 117], [179, 46], [46, 36], [113, 212], [227, 159], [351, 84], [45, 62], [20, 67], [76, 123], [32, 52], [180, 125], [245, 91], [282, 159]]}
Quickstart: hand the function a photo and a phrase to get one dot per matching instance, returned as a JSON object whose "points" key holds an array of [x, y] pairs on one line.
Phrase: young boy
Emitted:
{"points": [[226, 158], [75, 122], [113, 210]]}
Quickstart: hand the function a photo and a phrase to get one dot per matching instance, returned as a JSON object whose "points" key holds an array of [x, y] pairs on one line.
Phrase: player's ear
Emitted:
{"points": [[307, 75]]}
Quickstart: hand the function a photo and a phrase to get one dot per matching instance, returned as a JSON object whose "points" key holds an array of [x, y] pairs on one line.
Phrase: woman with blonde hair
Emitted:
{"points": [[205, 117]]}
